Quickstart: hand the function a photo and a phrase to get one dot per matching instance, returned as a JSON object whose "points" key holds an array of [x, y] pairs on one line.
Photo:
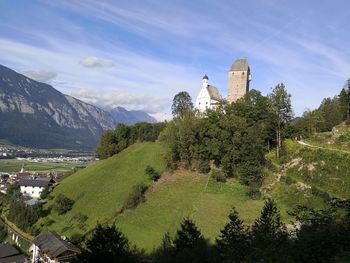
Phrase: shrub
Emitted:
{"points": [[288, 180], [62, 204], [253, 192], [204, 167], [322, 194], [218, 176], [152, 173], [44, 194], [136, 196], [76, 238], [81, 218]]}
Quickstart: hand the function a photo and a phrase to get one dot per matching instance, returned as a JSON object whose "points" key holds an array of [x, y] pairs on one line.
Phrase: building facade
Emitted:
{"points": [[208, 96], [238, 80]]}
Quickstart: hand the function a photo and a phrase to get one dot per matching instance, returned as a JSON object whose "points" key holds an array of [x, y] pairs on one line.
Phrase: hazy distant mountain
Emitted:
{"points": [[35, 114], [121, 115]]}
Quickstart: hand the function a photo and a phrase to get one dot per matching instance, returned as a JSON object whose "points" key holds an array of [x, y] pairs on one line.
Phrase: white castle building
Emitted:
{"points": [[208, 97], [239, 78]]}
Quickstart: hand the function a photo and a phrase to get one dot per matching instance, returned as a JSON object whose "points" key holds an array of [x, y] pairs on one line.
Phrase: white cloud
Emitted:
{"points": [[94, 62], [40, 75], [112, 99], [161, 116]]}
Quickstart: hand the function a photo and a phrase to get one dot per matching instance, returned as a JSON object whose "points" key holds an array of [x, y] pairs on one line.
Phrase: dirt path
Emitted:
{"points": [[320, 147]]}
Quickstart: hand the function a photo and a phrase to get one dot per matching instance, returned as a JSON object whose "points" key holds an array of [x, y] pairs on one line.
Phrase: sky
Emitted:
{"points": [[139, 54]]}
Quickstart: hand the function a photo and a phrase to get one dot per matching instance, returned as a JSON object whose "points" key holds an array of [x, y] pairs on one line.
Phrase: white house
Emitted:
{"points": [[208, 97], [33, 187]]}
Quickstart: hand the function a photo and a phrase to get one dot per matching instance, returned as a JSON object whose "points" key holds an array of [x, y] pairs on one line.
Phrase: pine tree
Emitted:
{"points": [[108, 244], [187, 236], [269, 237], [233, 244]]}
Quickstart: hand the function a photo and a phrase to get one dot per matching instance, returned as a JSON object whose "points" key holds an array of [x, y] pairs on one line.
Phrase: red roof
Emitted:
{"points": [[24, 174]]}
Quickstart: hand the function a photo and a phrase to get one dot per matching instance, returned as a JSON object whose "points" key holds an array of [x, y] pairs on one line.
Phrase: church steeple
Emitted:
{"points": [[205, 81]]}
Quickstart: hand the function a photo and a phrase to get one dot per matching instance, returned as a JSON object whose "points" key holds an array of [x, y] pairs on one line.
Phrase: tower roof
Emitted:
{"points": [[205, 76], [240, 65]]}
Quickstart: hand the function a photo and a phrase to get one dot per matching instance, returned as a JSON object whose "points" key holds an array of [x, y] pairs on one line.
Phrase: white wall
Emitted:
{"points": [[33, 192]]}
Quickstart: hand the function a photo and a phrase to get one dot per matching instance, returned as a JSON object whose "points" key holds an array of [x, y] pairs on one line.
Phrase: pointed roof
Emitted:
{"points": [[240, 65], [205, 76]]}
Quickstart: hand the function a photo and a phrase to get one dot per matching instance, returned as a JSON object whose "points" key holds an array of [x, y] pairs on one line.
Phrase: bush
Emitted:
{"points": [[136, 196], [253, 192], [62, 204], [218, 176], [204, 167], [152, 173], [44, 194], [288, 180], [322, 194], [76, 238]]}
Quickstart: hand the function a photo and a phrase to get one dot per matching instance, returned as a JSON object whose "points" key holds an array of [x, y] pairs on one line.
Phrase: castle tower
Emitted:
{"points": [[238, 80]]}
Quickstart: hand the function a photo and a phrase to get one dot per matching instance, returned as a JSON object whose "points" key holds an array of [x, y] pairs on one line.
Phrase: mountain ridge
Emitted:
{"points": [[35, 114]]}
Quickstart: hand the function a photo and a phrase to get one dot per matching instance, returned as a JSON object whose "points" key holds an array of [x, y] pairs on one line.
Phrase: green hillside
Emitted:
{"points": [[100, 190], [309, 175], [306, 176], [186, 194]]}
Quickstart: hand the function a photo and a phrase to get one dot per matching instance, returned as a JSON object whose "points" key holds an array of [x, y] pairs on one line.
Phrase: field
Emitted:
{"points": [[186, 194], [13, 165]]}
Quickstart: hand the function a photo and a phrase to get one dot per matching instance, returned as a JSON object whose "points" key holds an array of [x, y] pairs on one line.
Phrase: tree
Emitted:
{"points": [[269, 236], [282, 109], [3, 232], [62, 204], [182, 102], [108, 244], [233, 242], [152, 173], [107, 145], [190, 245], [344, 99]]}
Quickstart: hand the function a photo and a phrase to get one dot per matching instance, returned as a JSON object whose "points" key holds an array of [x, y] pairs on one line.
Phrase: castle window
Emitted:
{"points": [[242, 73]]}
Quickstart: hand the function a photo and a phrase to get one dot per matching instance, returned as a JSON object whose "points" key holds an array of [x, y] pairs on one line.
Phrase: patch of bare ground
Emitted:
{"points": [[294, 162]]}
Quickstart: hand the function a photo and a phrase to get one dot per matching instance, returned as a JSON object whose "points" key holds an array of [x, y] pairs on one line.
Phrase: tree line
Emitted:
{"points": [[321, 236], [331, 112], [114, 141]]}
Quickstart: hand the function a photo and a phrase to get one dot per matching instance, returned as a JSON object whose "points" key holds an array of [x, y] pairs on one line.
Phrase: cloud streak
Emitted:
{"points": [[94, 62]]}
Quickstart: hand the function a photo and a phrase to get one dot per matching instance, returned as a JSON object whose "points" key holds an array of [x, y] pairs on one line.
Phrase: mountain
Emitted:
{"points": [[34, 114], [121, 115]]}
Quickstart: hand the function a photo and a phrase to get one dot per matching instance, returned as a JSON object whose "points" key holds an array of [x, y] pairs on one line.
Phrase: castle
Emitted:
{"points": [[238, 85]]}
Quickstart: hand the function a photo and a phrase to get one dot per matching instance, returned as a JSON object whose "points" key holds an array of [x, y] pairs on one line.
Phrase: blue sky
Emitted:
{"points": [[138, 54]]}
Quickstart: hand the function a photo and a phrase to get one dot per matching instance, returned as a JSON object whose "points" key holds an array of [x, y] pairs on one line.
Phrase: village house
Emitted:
{"points": [[34, 187], [52, 248]]}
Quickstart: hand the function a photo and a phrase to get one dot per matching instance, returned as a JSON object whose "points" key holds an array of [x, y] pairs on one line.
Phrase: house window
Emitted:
{"points": [[32, 192]]}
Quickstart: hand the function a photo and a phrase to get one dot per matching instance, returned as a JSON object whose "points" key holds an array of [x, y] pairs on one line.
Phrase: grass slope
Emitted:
{"points": [[186, 194], [100, 190]]}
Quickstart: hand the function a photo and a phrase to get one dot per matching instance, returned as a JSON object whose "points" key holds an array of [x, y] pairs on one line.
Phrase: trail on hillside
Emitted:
{"points": [[324, 148]]}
